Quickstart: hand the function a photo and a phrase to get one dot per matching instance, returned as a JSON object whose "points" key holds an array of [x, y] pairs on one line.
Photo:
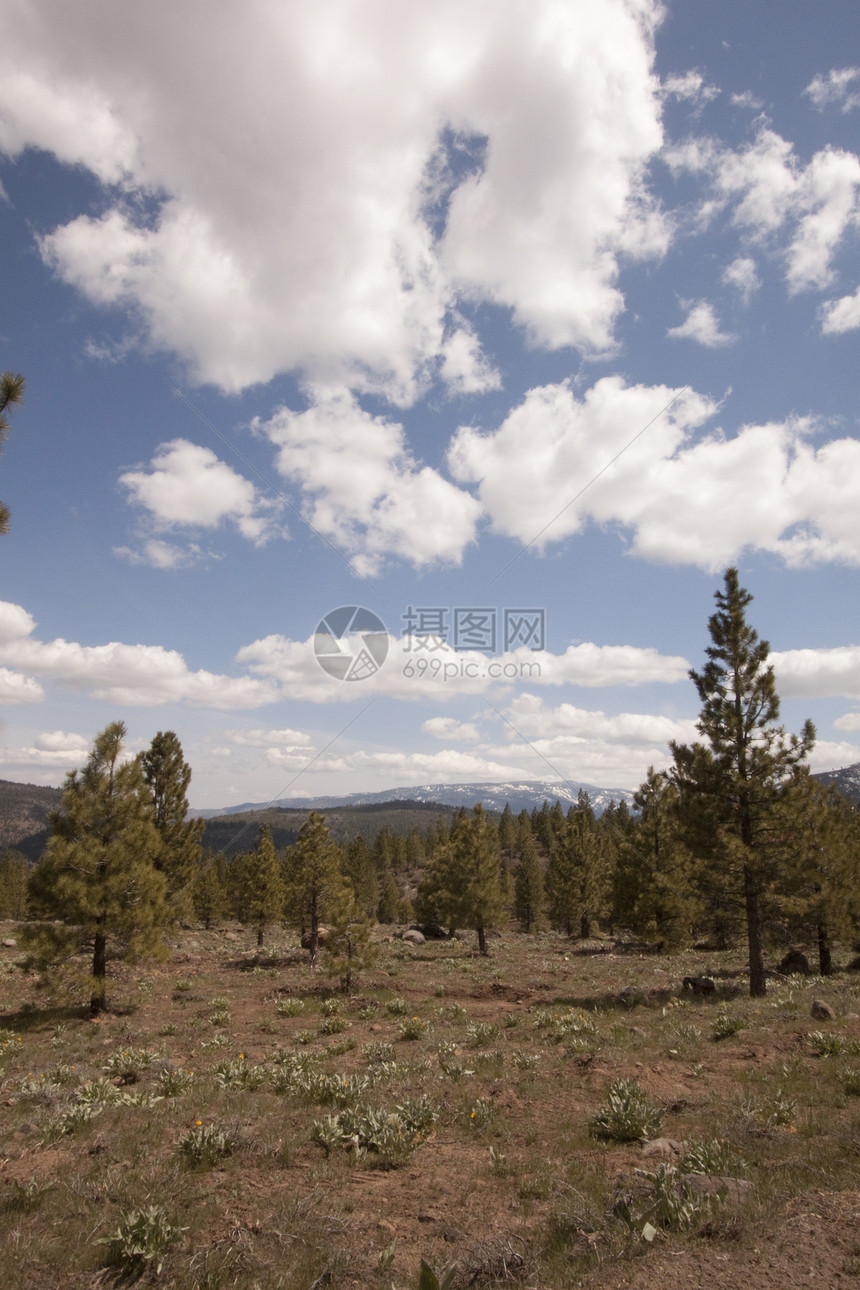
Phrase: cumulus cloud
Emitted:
{"points": [[690, 86], [187, 486], [743, 276], [702, 326], [819, 673], [16, 688], [804, 211], [841, 315], [60, 741], [338, 120], [364, 490], [450, 728], [140, 675], [531, 716], [543, 475], [442, 673], [839, 88]]}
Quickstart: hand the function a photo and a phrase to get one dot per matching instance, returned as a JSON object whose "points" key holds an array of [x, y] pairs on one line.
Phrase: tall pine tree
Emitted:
{"points": [[167, 775], [98, 876], [734, 786]]}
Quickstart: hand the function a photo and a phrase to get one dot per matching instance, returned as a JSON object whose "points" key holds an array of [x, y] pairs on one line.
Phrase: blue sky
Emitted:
{"points": [[420, 308]]}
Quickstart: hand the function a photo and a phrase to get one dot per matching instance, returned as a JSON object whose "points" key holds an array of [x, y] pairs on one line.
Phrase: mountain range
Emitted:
{"points": [[523, 795]]}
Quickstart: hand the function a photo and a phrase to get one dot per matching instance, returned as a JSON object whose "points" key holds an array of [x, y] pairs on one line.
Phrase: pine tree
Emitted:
{"points": [[98, 874], [263, 893], [361, 872], [475, 854], [14, 876], [314, 878], [348, 945], [529, 894], [210, 892], [653, 894], [11, 392], [167, 776], [507, 833], [734, 786], [577, 877]]}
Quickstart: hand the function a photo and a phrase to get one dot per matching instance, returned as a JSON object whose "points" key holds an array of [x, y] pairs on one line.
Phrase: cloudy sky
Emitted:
{"points": [[512, 324]]}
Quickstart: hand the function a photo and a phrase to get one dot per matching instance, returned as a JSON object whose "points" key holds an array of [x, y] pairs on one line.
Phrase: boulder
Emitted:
{"points": [[795, 961], [821, 1011], [413, 937], [430, 931], [664, 1148], [9, 943]]}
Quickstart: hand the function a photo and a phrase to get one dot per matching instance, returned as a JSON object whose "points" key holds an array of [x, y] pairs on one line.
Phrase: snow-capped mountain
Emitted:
{"points": [[521, 795]]}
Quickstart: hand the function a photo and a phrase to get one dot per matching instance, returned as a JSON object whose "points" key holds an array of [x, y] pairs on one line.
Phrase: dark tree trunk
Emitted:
{"points": [[585, 927], [482, 940], [825, 959], [260, 936], [758, 981], [98, 1002]]}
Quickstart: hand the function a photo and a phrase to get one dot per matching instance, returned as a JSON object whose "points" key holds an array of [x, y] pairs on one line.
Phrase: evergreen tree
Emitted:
{"points": [[474, 845], [314, 878], [167, 776], [98, 874], [507, 834], [734, 786], [263, 887], [577, 877], [348, 945], [441, 891], [14, 877], [360, 870], [210, 892], [653, 894], [529, 894], [11, 392]]}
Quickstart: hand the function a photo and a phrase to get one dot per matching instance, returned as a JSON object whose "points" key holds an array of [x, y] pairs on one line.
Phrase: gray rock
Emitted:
{"points": [[9, 943], [821, 1011], [664, 1148], [413, 937]]}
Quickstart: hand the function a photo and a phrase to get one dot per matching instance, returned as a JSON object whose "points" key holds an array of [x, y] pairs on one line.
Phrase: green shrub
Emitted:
{"points": [[140, 1240], [629, 1115], [204, 1145]]}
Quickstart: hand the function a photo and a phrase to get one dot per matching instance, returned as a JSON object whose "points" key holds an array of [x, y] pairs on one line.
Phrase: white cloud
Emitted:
{"points": [[59, 741], [270, 738], [702, 326], [187, 486], [839, 88], [819, 673], [465, 370], [336, 118], [851, 721], [530, 716], [140, 675], [16, 688], [743, 276], [766, 488], [804, 212], [833, 756], [441, 674], [841, 315], [364, 490], [691, 86], [450, 728]]}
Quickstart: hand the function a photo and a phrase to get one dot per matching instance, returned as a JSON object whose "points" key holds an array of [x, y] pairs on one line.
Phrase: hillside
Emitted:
{"points": [[24, 811], [237, 831], [847, 780]]}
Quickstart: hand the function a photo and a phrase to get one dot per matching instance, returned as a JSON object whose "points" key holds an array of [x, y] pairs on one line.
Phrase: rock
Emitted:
{"points": [[699, 984], [430, 931], [413, 937], [821, 1011], [708, 1185], [631, 994], [9, 943], [795, 961], [664, 1148]]}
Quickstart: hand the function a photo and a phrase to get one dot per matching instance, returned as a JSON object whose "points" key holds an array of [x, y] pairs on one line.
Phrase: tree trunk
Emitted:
{"points": [[825, 959], [98, 1002], [758, 981], [585, 927], [482, 940], [260, 936]]}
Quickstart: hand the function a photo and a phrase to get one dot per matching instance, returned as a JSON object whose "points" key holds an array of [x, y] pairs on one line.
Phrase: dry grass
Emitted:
{"points": [[443, 1111]]}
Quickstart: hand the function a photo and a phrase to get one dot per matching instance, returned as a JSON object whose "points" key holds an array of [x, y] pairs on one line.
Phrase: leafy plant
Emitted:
{"points": [[204, 1145], [428, 1280], [141, 1240], [629, 1115], [397, 1007], [174, 1082], [334, 1025], [725, 1025], [413, 1028], [237, 1073], [481, 1033], [290, 1007], [128, 1063], [716, 1157]]}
